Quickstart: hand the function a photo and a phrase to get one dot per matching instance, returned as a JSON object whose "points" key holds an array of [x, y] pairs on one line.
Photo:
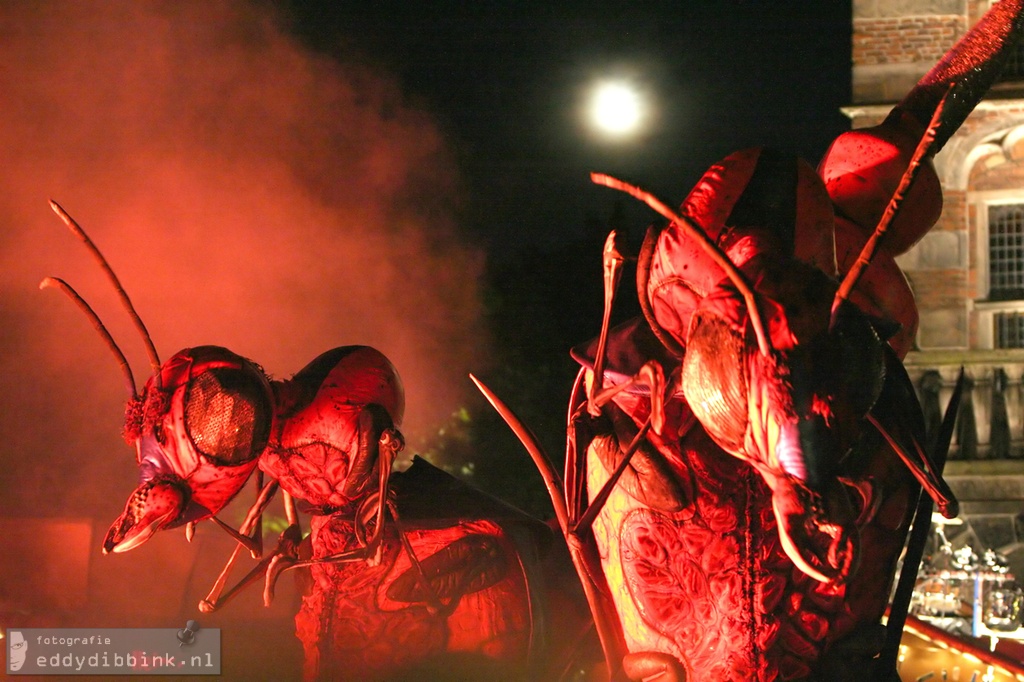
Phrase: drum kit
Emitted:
{"points": [[967, 594]]}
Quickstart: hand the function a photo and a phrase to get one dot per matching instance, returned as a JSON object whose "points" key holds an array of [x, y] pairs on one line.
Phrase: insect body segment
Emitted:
{"points": [[407, 568], [325, 445], [758, 573], [786, 412]]}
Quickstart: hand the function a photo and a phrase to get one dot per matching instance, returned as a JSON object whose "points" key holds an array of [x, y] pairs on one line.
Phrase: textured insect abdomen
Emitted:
{"points": [[463, 603]]}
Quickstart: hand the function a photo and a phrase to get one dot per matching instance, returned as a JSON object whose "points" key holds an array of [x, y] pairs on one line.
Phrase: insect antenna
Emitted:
{"points": [[694, 231], [76, 229], [55, 283], [924, 147]]}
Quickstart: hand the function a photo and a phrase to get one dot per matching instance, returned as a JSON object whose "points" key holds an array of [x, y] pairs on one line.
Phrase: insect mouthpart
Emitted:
{"points": [[155, 504]]}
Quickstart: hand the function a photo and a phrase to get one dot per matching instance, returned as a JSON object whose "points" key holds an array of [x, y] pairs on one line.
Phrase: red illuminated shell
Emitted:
{"points": [[710, 584], [449, 600], [682, 273], [316, 438]]}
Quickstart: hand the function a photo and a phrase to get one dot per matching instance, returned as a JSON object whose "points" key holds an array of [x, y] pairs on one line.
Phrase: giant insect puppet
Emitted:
{"points": [[744, 461], [414, 574]]}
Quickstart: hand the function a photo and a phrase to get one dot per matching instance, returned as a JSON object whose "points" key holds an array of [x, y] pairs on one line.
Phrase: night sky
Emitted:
{"points": [[507, 84]]}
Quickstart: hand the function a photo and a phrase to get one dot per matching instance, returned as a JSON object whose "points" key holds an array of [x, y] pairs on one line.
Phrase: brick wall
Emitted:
{"points": [[897, 40], [895, 43], [954, 210]]}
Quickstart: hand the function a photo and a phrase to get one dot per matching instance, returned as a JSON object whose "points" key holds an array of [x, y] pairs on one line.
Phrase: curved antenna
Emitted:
{"points": [[554, 485], [76, 229], [924, 147], [693, 230], [55, 283]]}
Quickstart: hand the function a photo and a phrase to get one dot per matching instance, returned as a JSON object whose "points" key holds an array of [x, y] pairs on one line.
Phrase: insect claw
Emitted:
{"points": [[822, 543], [273, 571], [154, 505]]}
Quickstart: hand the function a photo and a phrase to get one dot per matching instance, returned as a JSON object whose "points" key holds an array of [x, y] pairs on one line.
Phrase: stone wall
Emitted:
{"points": [[896, 42]]}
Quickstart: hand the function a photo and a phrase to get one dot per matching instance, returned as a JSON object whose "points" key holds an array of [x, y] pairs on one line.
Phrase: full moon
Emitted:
{"points": [[616, 109]]}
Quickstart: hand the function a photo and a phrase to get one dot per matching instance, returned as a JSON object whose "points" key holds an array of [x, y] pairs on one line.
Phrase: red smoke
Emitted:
{"points": [[249, 194]]}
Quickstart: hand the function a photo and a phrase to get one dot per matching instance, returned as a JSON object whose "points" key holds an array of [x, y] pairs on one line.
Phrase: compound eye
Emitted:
{"points": [[227, 414]]}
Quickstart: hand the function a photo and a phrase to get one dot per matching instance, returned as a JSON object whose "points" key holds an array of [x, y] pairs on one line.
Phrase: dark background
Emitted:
{"points": [[508, 83]]}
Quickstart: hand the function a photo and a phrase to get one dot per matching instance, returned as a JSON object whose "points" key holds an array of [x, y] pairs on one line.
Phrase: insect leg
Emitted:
{"points": [[651, 375], [582, 546], [247, 533], [285, 557], [287, 545], [597, 504], [212, 600], [612, 267]]}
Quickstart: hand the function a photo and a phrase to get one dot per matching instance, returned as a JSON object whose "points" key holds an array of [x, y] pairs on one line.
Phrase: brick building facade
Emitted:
{"points": [[967, 273]]}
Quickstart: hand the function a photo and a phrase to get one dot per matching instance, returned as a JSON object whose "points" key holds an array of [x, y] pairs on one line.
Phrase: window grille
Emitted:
{"points": [[1006, 252], [1014, 69], [1009, 331]]}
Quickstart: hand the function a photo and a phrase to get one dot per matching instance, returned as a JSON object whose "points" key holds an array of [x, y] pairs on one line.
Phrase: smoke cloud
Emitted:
{"points": [[248, 192]]}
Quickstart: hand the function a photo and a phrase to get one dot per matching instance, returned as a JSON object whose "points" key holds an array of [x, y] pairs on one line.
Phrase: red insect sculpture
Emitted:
{"points": [[745, 460], [414, 574]]}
